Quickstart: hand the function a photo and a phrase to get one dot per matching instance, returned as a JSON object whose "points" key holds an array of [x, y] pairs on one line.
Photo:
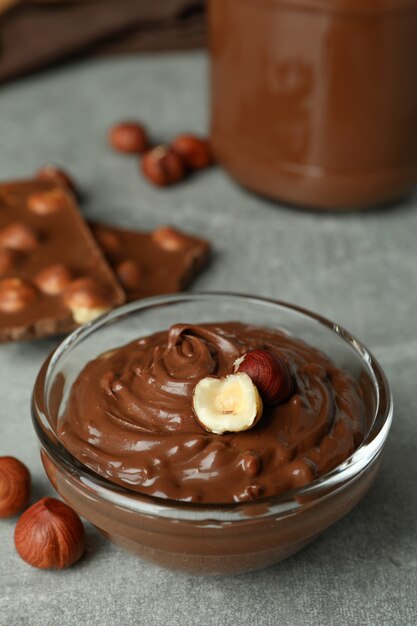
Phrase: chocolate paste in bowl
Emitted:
{"points": [[130, 418]]}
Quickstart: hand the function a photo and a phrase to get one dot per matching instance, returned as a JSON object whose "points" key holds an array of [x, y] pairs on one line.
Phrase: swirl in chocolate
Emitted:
{"points": [[129, 417]]}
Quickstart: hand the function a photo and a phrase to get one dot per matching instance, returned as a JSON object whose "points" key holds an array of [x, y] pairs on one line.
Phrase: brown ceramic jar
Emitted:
{"points": [[314, 102]]}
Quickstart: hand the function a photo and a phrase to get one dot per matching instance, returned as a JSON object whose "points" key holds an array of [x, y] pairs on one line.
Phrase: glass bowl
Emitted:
{"points": [[209, 538]]}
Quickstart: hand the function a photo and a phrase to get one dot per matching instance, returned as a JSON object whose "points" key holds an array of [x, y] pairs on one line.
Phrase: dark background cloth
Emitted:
{"points": [[34, 35]]}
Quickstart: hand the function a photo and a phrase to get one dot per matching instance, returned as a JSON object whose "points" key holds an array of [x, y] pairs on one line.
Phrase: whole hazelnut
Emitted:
{"points": [[86, 299], [130, 274], [47, 202], [107, 240], [14, 486], [270, 374], [163, 166], [53, 279], [251, 463], [57, 175], [15, 294], [250, 492], [128, 137], [49, 535], [85, 292], [301, 473], [195, 151], [169, 238], [18, 236]]}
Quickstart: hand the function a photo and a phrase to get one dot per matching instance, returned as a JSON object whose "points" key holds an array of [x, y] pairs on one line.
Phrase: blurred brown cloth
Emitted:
{"points": [[37, 33]]}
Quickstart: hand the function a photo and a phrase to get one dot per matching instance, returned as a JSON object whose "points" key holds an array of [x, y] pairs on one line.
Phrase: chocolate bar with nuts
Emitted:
{"points": [[53, 276], [149, 264]]}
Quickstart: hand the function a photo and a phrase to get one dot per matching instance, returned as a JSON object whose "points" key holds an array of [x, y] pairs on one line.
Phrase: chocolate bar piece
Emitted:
{"points": [[53, 276], [149, 264]]}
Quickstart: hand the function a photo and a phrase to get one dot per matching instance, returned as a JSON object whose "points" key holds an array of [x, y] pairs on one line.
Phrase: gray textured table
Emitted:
{"points": [[360, 270]]}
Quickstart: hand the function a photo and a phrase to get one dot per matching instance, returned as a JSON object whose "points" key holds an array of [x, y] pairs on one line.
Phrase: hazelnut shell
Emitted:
{"points": [[128, 137], [195, 151], [163, 166], [14, 486], [269, 373], [49, 535]]}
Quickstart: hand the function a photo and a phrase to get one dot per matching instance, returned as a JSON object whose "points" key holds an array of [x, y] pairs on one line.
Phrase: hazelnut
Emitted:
{"points": [[58, 176], [49, 535], [128, 137], [130, 274], [270, 374], [163, 166], [169, 239], [229, 404], [18, 236], [107, 240], [195, 151], [251, 463], [86, 299], [14, 486], [250, 492], [53, 279], [47, 202], [15, 294], [301, 473], [8, 260]]}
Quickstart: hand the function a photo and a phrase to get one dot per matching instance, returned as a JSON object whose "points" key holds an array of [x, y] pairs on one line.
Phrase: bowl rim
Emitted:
{"points": [[284, 503]]}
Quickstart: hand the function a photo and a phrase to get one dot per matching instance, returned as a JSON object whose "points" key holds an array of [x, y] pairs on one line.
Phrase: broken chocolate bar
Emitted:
{"points": [[53, 276], [149, 264]]}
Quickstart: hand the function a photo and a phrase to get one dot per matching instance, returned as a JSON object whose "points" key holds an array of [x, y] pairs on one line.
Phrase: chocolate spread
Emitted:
{"points": [[314, 102], [129, 417]]}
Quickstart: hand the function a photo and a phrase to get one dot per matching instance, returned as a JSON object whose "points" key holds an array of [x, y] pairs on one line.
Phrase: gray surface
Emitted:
{"points": [[360, 270]]}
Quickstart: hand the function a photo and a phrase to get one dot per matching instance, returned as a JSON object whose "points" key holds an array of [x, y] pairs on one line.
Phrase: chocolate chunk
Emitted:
{"points": [[148, 264], [45, 248]]}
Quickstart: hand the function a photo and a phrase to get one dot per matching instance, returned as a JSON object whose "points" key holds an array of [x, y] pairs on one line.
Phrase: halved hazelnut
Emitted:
{"points": [[15, 294], [53, 279], [169, 238], [229, 404], [18, 236], [270, 374], [86, 299], [46, 202]]}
